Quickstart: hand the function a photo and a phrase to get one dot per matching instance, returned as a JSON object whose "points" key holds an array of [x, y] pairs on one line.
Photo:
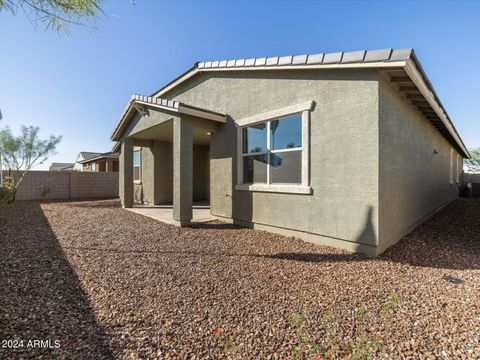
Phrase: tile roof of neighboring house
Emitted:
{"points": [[89, 155], [69, 167], [109, 155], [405, 59], [60, 166]]}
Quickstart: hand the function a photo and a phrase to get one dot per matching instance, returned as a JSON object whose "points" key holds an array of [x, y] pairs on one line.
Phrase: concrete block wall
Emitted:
{"points": [[470, 178], [59, 185], [93, 185]]}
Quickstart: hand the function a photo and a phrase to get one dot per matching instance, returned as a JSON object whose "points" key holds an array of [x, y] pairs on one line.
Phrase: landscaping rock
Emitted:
{"points": [[107, 283]]}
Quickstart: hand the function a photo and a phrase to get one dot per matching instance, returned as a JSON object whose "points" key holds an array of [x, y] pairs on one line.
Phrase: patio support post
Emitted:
{"points": [[182, 171], [126, 173]]}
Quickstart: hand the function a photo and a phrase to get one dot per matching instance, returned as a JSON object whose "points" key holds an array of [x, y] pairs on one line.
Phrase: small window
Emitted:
{"points": [[272, 151], [137, 161], [94, 166]]}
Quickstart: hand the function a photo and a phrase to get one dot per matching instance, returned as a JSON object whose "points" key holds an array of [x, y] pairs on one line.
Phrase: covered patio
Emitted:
{"points": [[170, 169], [164, 213]]}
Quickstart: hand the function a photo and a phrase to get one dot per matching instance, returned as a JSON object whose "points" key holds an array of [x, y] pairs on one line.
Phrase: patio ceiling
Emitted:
{"points": [[164, 132], [138, 103]]}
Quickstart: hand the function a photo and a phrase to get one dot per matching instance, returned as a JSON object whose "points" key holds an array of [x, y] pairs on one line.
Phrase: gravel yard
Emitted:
{"points": [[108, 283]]}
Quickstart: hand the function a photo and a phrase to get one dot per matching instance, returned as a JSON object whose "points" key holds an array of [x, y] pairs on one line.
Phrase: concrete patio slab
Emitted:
{"points": [[164, 213]]}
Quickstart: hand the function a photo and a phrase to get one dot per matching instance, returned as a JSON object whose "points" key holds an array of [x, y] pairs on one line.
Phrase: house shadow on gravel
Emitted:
{"points": [[41, 297], [450, 240], [317, 257], [86, 203]]}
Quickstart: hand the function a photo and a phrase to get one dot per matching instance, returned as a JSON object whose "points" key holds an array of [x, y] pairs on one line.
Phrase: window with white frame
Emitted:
{"points": [[137, 165], [272, 151]]}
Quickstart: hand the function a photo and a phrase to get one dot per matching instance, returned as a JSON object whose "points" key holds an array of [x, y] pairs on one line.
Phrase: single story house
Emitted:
{"points": [[84, 155], [348, 149], [61, 167], [97, 162]]}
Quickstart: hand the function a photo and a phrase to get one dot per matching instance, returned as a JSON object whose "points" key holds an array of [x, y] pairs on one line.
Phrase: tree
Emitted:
{"points": [[473, 165], [20, 154], [475, 153], [57, 15]]}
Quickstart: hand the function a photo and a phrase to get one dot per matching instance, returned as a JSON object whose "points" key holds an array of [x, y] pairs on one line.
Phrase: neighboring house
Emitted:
{"points": [[84, 155], [99, 162], [351, 149], [61, 167]]}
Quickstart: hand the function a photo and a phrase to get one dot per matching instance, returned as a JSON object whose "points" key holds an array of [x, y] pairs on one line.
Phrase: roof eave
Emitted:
{"points": [[194, 70], [380, 59], [170, 107], [420, 79]]}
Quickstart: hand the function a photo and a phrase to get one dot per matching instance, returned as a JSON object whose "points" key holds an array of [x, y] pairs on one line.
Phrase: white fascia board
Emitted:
{"points": [[417, 78], [157, 106], [381, 64], [181, 109], [118, 130]]}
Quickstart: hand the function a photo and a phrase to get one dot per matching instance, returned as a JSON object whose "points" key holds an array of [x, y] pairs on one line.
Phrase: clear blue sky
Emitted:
{"points": [[78, 86]]}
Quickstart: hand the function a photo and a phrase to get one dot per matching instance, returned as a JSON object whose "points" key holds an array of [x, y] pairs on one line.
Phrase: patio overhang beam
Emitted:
{"points": [[140, 104]]}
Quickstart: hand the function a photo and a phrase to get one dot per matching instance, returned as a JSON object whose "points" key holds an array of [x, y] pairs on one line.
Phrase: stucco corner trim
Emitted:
{"points": [[277, 188], [271, 115]]}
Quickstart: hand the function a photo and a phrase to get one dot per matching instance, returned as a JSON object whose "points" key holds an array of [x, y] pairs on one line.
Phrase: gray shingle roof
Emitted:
{"points": [[89, 155], [383, 55], [94, 156], [402, 58], [60, 166], [111, 154]]}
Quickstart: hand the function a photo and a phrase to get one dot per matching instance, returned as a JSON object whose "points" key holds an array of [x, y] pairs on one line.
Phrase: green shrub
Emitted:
{"points": [[7, 191]]}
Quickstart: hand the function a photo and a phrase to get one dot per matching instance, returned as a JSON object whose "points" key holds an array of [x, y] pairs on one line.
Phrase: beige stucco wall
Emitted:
{"points": [[373, 170], [414, 181], [344, 149]]}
